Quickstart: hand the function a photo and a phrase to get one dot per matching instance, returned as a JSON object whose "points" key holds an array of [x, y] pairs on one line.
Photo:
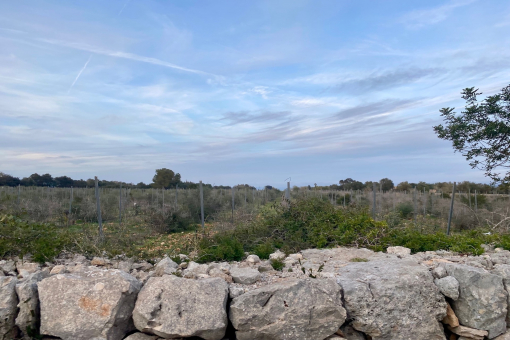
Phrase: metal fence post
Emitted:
{"points": [[202, 207], [98, 207], [233, 204], [451, 209], [120, 203], [374, 195]]}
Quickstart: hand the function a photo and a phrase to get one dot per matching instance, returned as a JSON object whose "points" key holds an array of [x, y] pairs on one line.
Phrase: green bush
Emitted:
{"points": [[277, 264], [221, 247], [43, 241], [263, 250], [405, 209]]}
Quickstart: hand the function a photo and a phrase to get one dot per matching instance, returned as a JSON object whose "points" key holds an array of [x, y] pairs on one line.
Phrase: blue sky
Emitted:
{"points": [[235, 92]]}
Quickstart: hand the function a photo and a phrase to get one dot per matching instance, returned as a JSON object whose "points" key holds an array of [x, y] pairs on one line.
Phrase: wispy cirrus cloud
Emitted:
{"points": [[430, 16]]}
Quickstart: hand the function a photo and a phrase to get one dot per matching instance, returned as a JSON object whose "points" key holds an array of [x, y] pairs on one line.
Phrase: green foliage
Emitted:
{"points": [[386, 184], [165, 178], [358, 259], [43, 241], [277, 264], [405, 209], [220, 247], [480, 199], [263, 250], [340, 199], [481, 132]]}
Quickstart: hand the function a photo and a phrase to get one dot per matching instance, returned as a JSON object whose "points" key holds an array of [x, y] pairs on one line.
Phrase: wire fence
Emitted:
{"points": [[66, 206]]}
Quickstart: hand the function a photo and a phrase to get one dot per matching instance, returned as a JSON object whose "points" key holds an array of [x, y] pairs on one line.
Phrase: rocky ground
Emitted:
{"points": [[340, 293]]}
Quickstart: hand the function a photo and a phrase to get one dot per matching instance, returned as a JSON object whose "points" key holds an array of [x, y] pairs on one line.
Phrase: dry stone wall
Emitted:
{"points": [[340, 293]]}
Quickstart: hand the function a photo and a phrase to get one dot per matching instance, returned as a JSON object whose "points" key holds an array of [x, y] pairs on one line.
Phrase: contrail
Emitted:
{"points": [[127, 2], [79, 74]]}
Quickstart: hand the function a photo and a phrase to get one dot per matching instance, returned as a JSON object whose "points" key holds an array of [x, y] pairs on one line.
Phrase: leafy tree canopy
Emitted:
{"points": [[386, 184], [165, 178], [481, 133]]}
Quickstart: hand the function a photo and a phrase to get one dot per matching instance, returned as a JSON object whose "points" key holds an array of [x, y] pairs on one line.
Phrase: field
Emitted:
{"points": [[147, 223]]}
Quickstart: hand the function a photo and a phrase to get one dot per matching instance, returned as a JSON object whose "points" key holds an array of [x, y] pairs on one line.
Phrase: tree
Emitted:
{"points": [[481, 133], [8, 180], [165, 178], [64, 182], [404, 186], [350, 184], [386, 184]]}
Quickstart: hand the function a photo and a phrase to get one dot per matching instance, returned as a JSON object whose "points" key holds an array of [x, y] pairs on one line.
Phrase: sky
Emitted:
{"points": [[233, 92]]}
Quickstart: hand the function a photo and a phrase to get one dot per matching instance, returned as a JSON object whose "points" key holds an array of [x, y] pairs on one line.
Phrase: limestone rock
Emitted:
{"points": [[439, 272], [505, 336], [142, 336], [295, 309], [467, 332], [253, 259], [277, 255], [350, 333], [28, 316], [265, 266], [398, 250], [217, 272], [7, 266], [95, 305], [58, 269], [245, 276], [503, 270], [144, 266], [482, 302], [173, 307], [449, 286], [125, 266], [195, 269], [26, 268], [450, 318], [165, 267], [8, 307], [381, 297], [234, 291], [99, 261]]}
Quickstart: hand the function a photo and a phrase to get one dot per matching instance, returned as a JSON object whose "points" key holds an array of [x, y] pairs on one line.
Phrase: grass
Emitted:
{"points": [[358, 259]]}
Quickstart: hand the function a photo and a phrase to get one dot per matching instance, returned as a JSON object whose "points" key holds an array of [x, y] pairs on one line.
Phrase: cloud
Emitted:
{"points": [[373, 109], [385, 80], [426, 17], [123, 55], [242, 117], [79, 74]]}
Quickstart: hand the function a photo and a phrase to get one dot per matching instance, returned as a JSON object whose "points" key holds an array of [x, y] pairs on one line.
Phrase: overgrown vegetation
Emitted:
{"points": [[307, 222]]}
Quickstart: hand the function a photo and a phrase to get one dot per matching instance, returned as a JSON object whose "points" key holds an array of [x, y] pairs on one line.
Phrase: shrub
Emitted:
{"points": [[358, 259], [263, 250], [43, 241], [277, 264], [221, 247], [405, 209]]}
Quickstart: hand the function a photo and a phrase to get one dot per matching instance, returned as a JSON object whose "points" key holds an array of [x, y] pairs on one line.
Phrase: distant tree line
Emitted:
{"points": [[163, 178], [166, 178], [387, 184]]}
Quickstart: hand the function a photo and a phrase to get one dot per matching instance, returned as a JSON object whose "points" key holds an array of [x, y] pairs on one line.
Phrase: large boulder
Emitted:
{"points": [[165, 267], [291, 310], [449, 286], [245, 276], [8, 307], [503, 270], [482, 302], [174, 307], [393, 300], [28, 316], [95, 305]]}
